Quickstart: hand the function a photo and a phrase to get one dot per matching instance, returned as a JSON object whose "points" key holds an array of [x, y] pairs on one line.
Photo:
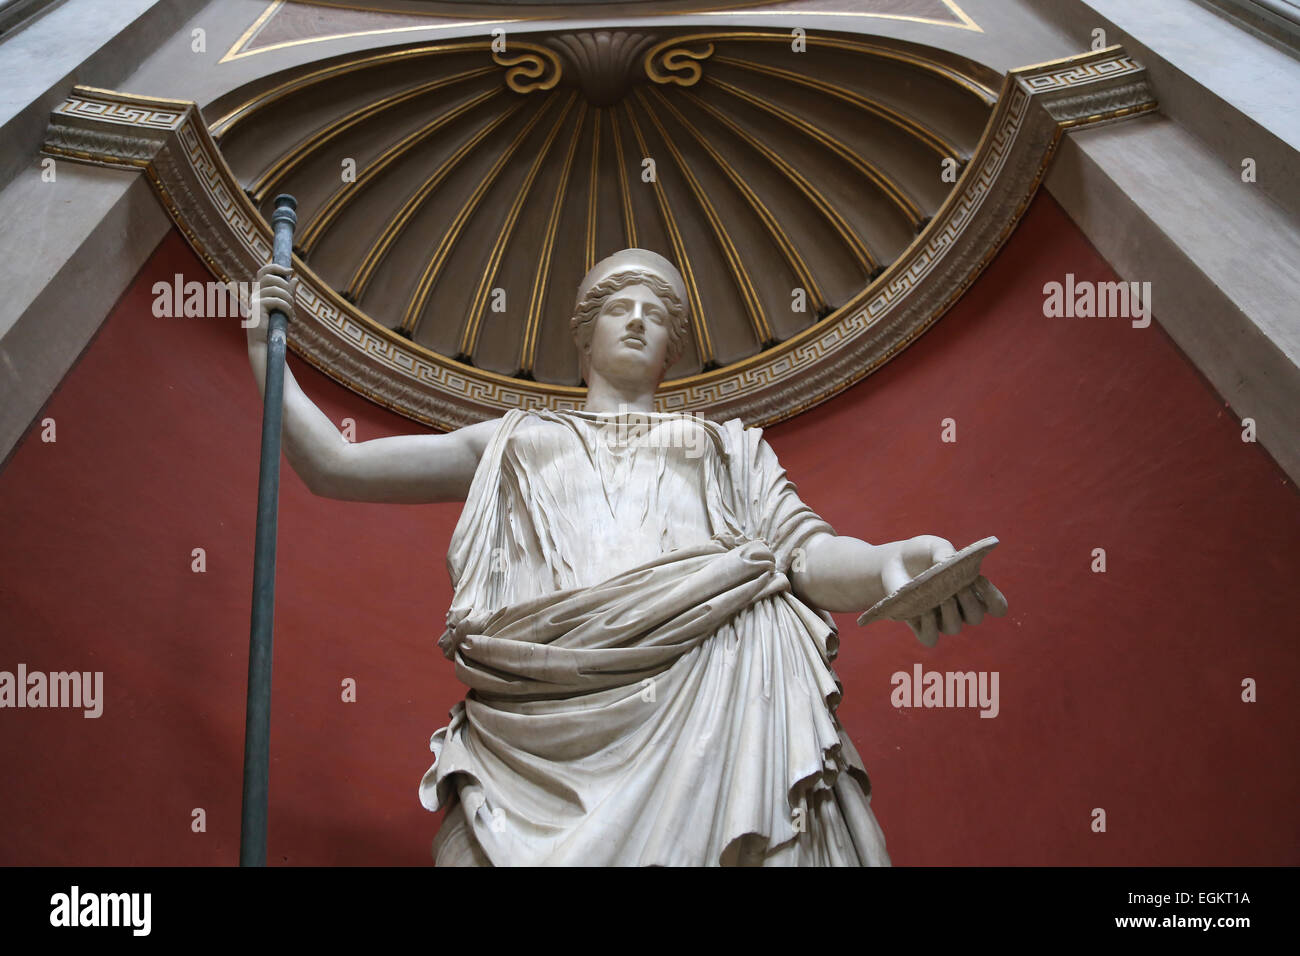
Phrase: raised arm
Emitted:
{"points": [[406, 469]]}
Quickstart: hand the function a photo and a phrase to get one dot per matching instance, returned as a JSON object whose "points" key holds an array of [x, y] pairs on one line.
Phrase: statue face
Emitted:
{"points": [[631, 336]]}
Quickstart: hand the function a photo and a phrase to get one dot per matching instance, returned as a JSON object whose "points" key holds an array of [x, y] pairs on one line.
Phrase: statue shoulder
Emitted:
{"points": [[741, 435], [746, 443], [479, 436]]}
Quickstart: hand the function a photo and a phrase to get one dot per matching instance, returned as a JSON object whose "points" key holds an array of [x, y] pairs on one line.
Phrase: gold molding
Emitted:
{"points": [[624, 187], [333, 207], [232, 118], [236, 52], [530, 65], [528, 351], [670, 62], [911, 127], [592, 197], [779, 236], [533, 64], [700, 322], [657, 52], [474, 320], [538, 55], [754, 309], [397, 224], [415, 308], [855, 244], [266, 182], [890, 189], [987, 162], [965, 21]]}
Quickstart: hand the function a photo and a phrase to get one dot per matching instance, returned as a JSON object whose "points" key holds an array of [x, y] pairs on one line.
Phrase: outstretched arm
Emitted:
{"points": [[840, 573], [408, 469]]}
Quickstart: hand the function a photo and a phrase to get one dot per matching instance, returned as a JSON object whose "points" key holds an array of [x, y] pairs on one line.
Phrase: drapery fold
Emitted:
{"points": [[680, 712]]}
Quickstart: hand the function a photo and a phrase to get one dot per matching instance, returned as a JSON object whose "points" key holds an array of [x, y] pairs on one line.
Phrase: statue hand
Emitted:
{"points": [[967, 606], [275, 291]]}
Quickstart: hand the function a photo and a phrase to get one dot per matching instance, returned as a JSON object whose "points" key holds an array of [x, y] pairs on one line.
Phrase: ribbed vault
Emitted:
{"points": [[456, 195]]}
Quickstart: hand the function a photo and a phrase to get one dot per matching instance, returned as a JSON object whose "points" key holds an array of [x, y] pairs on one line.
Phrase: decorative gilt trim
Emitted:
{"points": [[429, 278], [474, 323], [531, 62], [593, 190], [536, 68], [927, 137], [624, 188], [885, 185], [394, 227], [852, 241], [668, 62], [699, 318], [272, 176], [1037, 106], [674, 61], [779, 236], [749, 9], [749, 295], [314, 231], [542, 276]]}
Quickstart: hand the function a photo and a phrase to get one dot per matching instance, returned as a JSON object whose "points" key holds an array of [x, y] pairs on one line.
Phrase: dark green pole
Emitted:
{"points": [[257, 723]]}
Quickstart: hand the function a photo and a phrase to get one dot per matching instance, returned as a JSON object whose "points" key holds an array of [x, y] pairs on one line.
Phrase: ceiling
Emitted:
{"points": [[456, 195]]}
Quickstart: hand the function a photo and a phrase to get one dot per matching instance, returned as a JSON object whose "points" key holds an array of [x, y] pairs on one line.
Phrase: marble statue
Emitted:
{"points": [[640, 613]]}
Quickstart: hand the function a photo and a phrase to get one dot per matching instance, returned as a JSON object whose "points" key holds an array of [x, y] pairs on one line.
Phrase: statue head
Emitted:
{"points": [[630, 320]]}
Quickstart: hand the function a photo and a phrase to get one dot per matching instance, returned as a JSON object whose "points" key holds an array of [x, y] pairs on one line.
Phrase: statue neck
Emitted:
{"points": [[606, 396]]}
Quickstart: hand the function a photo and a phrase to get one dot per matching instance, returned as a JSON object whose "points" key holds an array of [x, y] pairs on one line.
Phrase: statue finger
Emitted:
{"points": [[972, 610], [949, 616], [272, 301], [894, 574], [929, 635], [990, 595]]}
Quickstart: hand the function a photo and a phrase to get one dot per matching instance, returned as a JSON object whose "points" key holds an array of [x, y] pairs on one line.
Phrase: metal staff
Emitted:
{"points": [[257, 722]]}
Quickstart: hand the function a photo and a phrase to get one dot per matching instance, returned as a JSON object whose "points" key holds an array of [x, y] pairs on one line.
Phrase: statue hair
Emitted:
{"points": [[584, 316]]}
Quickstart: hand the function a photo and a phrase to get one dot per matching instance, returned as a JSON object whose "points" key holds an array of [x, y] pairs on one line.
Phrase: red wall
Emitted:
{"points": [[1119, 690]]}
